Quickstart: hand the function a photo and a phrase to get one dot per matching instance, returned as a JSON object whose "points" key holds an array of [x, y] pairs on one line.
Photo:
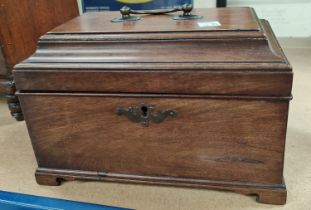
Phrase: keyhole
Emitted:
{"points": [[144, 110]]}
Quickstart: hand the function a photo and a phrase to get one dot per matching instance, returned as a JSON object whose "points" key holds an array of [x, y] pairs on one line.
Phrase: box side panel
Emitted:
{"points": [[212, 139]]}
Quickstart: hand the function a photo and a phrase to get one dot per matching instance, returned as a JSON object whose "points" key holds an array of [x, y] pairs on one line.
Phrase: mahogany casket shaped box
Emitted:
{"points": [[160, 100]]}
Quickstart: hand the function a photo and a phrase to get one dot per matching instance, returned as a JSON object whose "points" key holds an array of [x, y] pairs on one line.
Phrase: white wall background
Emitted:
{"points": [[289, 18], [204, 3], [80, 6]]}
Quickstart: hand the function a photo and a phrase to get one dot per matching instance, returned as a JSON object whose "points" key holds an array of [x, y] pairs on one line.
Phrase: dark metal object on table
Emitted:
{"points": [[145, 114], [186, 9], [221, 3]]}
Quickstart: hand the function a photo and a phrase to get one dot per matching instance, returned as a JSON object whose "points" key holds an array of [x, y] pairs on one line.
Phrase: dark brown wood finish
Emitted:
{"points": [[231, 19], [275, 194], [22, 23], [133, 66], [162, 51], [228, 88], [3, 67], [165, 149], [228, 146], [6, 86], [173, 82]]}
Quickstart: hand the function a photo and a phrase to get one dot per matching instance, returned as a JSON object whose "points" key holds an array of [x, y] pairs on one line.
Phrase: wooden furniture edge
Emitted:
{"points": [[269, 194], [148, 95]]}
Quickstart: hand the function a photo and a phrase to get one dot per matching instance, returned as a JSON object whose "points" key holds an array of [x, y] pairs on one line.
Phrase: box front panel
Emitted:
{"points": [[205, 138]]}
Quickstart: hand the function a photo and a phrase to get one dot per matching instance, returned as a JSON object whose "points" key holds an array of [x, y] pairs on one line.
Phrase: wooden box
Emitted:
{"points": [[194, 103]]}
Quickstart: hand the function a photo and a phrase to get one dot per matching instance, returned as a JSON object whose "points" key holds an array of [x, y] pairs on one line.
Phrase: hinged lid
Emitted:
{"points": [[238, 55]]}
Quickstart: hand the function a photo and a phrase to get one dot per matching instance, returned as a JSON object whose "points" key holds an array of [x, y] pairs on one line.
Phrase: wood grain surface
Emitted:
{"points": [[6, 86], [270, 194], [173, 82], [230, 87], [208, 139], [177, 66], [231, 19], [23, 22], [3, 66]]}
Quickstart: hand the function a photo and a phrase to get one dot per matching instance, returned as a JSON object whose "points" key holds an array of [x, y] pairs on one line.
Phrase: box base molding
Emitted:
{"points": [[266, 193]]}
